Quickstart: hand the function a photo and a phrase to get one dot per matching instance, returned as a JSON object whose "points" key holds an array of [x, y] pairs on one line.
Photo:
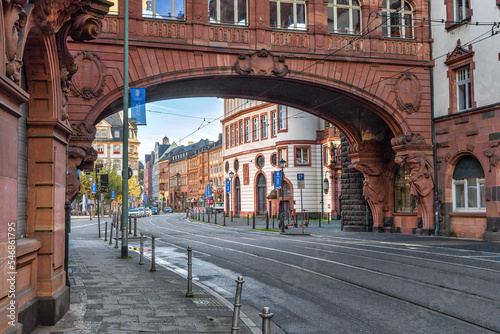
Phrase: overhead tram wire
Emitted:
{"points": [[179, 115]]}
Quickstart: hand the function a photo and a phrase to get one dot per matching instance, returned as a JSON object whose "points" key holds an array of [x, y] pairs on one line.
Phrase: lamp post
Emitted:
{"points": [[91, 179], [282, 164], [231, 175]]}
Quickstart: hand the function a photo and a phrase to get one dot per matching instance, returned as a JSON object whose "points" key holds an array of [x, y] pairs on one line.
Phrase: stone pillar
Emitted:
{"points": [[352, 202], [412, 151]]}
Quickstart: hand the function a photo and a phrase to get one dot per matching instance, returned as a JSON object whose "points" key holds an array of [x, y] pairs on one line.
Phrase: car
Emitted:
{"points": [[219, 206], [134, 213], [168, 210], [148, 211], [154, 210], [142, 212]]}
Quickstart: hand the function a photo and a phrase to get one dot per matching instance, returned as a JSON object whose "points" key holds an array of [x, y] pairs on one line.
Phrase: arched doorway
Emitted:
{"points": [[261, 194], [237, 188]]}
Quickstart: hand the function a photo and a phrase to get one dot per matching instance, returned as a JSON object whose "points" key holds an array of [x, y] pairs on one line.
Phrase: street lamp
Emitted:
{"points": [[326, 184], [231, 175], [282, 164]]}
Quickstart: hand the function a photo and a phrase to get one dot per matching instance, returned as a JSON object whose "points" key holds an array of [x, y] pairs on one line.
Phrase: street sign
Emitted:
{"points": [[210, 201], [130, 173], [131, 198], [94, 188], [112, 194], [228, 186], [277, 180], [300, 181], [208, 191]]}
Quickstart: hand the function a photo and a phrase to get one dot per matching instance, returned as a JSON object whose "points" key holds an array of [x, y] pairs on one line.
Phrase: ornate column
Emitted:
{"points": [[412, 151], [368, 158]]}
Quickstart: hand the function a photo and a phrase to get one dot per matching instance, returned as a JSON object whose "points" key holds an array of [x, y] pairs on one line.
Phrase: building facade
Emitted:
{"points": [[257, 135], [148, 174], [215, 165], [467, 118]]}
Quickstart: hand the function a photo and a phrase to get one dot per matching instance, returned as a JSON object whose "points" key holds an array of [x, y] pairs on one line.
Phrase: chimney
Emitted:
{"points": [[165, 140]]}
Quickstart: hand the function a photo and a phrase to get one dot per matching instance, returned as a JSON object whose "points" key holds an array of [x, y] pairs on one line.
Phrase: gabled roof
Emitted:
{"points": [[460, 53]]}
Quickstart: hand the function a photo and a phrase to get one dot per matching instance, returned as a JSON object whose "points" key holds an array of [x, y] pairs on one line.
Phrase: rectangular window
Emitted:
{"points": [[116, 165], [469, 194], [274, 124], [227, 11], [264, 126], [232, 135], [302, 156], [282, 117], [237, 127], [117, 133], [255, 129], [163, 9], [227, 137], [100, 149], [241, 132], [464, 89], [247, 130], [103, 133], [282, 154], [116, 149], [462, 10], [288, 14]]}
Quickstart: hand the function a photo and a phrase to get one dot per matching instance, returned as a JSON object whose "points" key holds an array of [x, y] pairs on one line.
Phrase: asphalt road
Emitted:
{"points": [[336, 282]]}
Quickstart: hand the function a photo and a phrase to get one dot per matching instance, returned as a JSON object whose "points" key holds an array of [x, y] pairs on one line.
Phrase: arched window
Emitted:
{"points": [[468, 185], [228, 11], [397, 19], [288, 14], [344, 16], [403, 200]]}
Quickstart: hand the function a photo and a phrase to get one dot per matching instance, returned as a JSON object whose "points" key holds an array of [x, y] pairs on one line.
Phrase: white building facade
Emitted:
{"points": [[256, 136]]}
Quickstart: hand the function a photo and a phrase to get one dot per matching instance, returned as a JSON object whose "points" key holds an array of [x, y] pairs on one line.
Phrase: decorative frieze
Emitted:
{"points": [[164, 29], [402, 48], [228, 35], [346, 43], [110, 25], [290, 39]]}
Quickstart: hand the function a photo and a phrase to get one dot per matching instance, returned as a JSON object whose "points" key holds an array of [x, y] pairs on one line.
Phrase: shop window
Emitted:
{"points": [[403, 200], [288, 14], [227, 11], [468, 185], [163, 9], [344, 16], [397, 19]]}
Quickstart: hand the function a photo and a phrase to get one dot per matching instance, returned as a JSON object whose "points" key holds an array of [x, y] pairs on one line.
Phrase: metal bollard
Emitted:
{"points": [[266, 316], [99, 227], [116, 243], [231, 216], [203, 216], [267, 221], [135, 226], [320, 219], [328, 218], [237, 305], [273, 222], [105, 231], [253, 220], [111, 233], [208, 217], [129, 225], [215, 217], [153, 258], [248, 220], [189, 292], [224, 220], [187, 213], [141, 254]]}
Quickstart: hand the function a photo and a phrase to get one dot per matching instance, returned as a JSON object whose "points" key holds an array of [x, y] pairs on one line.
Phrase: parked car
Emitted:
{"points": [[219, 206], [168, 210], [142, 212], [154, 210], [134, 213], [148, 211]]}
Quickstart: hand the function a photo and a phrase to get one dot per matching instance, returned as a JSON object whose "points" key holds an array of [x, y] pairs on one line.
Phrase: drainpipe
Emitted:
{"points": [[434, 147]]}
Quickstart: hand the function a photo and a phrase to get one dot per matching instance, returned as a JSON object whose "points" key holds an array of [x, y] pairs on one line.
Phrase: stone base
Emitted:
{"points": [[17, 329], [424, 232], [28, 316], [354, 228], [382, 229], [491, 236], [52, 309]]}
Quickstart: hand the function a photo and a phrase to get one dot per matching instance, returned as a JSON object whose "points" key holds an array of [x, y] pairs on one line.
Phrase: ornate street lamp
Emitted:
{"points": [[282, 164], [231, 175], [326, 184]]}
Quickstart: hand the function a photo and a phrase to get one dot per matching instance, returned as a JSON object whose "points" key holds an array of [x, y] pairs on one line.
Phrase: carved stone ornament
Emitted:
{"points": [[459, 54], [79, 157], [410, 141], [261, 63], [15, 18], [367, 147], [89, 81], [408, 92], [83, 132]]}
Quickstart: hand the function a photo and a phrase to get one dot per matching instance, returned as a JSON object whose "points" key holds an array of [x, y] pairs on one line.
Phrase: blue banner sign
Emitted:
{"points": [[138, 105], [112, 194], [131, 198], [277, 180], [94, 188], [208, 191], [228, 186]]}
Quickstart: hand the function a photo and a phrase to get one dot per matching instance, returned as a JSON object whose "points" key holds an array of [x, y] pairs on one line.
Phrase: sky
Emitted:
{"points": [[177, 119]]}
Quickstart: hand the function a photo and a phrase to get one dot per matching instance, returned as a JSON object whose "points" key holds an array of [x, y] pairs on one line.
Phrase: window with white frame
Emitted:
{"points": [[282, 117], [116, 165], [264, 126], [163, 9], [397, 18], [288, 14], [247, 130], [274, 123], [237, 128], [344, 16], [462, 10], [256, 128], [468, 185], [464, 89], [117, 133], [241, 132], [116, 148], [232, 134], [282, 154], [227, 11], [302, 156], [227, 137], [100, 149], [103, 133]]}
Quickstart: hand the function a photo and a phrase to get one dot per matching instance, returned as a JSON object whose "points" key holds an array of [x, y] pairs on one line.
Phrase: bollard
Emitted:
{"points": [[215, 217], [187, 213], [105, 231], [129, 225], [253, 220], [248, 220], [153, 258], [141, 254], [203, 216], [224, 220], [273, 222], [266, 316], [267, 221], [99, 227], [237, 305], [111, 234], [231, 216], [328, 218], [189, 292], [135, 226], [208, 217], [116, 243], [320, 219]]}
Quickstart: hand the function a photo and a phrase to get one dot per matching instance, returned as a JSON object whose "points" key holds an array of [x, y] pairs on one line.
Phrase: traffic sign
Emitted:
{"points": [[94, 187], [210, 201], [129, 173], [300, 181], [112, 194]]}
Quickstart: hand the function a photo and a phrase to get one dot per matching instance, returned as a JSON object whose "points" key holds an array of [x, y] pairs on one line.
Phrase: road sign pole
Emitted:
{"points": [[125, 133]]}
